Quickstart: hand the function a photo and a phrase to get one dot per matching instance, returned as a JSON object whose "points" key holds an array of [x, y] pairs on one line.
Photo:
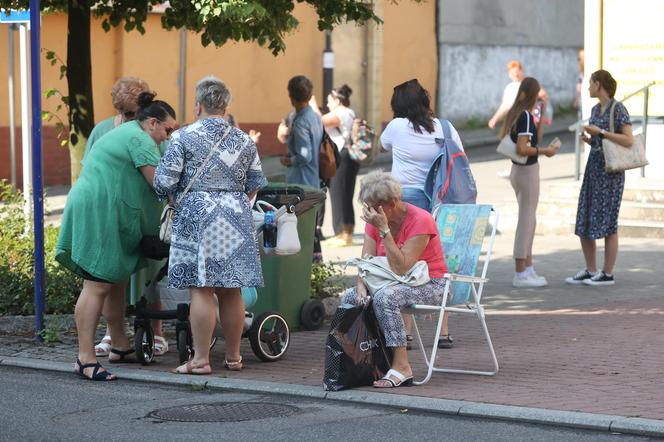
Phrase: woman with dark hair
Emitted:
{"points": [[601, 192], [414, 137], [338, 123], [524, 178], [109, 209], [124, 96]]}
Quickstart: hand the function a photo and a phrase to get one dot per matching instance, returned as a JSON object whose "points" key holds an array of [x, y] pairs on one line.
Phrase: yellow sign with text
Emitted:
{"points": [[633, 51]]}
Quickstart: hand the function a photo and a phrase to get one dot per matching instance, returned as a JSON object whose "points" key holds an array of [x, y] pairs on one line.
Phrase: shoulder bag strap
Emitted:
{"points": [[611, 122], [200, 169], [447, 133]]}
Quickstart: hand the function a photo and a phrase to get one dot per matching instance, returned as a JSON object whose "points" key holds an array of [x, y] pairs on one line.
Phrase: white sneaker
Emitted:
{"points": [[537, 277], [527, 281]]}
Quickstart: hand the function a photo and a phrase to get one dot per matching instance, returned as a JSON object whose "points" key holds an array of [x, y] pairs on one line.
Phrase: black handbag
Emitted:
{"points": [[355, 351]]}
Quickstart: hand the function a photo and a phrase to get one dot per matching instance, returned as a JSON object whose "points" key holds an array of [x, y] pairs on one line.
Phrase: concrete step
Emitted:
{"points": [[627, 228], [565, 208], [643, 191]]}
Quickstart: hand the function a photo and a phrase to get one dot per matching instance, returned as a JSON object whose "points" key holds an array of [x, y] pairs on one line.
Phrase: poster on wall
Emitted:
{"points": [[633, 51]]}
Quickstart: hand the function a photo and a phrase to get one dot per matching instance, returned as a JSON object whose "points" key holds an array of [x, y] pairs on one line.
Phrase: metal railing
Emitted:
{"points": [[577, 127]]}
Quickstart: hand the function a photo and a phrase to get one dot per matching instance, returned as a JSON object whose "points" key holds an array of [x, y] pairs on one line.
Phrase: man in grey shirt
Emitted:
{"points": [[304, 136]]}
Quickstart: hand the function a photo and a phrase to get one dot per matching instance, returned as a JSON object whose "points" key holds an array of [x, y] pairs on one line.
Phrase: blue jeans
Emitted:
{"points": [[416, 197]]}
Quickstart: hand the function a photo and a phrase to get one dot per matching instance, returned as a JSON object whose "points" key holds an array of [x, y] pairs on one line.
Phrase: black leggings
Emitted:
{"points": [[342, 189]]}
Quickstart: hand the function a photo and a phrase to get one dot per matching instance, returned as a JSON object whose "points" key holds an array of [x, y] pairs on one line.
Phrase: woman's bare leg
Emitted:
{"points": [[231, 313]]}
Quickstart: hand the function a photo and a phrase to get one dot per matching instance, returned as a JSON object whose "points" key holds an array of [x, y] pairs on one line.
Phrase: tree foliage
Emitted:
{"points": [[263, 21]]}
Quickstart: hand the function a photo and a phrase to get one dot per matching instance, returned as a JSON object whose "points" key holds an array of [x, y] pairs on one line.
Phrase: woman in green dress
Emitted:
{"points": [[109, 209]]}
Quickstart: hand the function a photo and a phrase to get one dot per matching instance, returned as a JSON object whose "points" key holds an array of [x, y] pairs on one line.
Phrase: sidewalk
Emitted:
{"points": [[576, 356]]}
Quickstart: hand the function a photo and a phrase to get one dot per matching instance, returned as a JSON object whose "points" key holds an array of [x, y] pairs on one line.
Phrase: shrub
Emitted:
{"points": [[17, 263], [326, 280]]}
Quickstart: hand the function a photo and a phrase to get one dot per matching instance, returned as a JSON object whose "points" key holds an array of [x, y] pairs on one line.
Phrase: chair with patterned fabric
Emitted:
{"points": [[462, 230]]}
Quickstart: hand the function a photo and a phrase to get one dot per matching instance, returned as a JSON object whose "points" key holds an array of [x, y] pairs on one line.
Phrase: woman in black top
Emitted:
{"points": [[525, 178]]}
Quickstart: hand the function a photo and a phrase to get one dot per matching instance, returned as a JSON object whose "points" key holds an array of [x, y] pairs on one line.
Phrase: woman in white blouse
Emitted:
{"points": [[414, 137]]}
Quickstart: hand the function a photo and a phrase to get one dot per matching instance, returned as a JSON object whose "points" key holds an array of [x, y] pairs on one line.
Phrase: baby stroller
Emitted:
{"points": [[268, 332]]}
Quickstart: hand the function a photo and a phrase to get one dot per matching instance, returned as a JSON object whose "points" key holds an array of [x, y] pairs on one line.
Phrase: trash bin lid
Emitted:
{"points": [[279, 194]]}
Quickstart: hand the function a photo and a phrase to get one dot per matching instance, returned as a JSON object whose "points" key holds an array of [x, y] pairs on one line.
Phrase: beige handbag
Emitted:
{"points": [[618, 158], [376, 273]]}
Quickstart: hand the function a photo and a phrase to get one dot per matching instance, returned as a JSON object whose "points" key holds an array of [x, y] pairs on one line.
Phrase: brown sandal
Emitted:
{"points": [[233, 365], [188, 368]]}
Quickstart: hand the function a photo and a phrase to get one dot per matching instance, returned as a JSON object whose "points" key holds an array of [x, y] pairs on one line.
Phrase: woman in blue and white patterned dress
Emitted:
{"points": [[601, 192], [213, 246]]}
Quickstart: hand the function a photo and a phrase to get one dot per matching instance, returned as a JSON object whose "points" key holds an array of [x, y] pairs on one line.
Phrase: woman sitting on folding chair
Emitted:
{"points": [[404, 234]]}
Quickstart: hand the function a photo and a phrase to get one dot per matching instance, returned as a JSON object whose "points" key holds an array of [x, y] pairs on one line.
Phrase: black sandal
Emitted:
{"points": [[123, 356], [445, 341], [97, 375]]}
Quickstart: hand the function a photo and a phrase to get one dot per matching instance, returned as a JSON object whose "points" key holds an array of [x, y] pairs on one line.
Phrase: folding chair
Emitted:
{"points": [[462, 229]]}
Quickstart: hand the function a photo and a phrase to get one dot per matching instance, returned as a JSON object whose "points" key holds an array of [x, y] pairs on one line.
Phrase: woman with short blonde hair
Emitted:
{"points": [[404, 234]]}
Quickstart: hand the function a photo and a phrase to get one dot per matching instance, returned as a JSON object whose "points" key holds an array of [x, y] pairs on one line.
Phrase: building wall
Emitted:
{"points": [[256, 78], [479, 37]]}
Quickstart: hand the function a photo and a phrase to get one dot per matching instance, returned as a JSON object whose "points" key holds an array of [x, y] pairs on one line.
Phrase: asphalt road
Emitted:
{"points": [[45, 406]]}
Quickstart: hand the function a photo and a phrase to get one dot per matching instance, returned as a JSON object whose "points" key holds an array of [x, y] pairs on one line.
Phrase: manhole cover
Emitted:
{"points": [[223, 412]]}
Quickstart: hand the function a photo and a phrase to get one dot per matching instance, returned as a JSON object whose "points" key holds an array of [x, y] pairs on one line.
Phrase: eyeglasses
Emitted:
{"points": [[169, 130]]}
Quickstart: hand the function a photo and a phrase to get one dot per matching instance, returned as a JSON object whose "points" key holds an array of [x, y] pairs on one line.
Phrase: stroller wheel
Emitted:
{"points": [[269, 336], [185, 348], [144, 345]]}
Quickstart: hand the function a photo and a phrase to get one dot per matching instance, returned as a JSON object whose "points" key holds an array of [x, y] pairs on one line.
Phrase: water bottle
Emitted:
{"points": [[269, 232]]}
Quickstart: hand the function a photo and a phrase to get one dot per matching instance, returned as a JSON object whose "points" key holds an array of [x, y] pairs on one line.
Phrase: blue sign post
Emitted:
{"points": [[37, 169]]}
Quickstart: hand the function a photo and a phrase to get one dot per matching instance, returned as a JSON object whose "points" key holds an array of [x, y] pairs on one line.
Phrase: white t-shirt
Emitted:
{"points": [[509, 94], [341, 135], [412, 152]]}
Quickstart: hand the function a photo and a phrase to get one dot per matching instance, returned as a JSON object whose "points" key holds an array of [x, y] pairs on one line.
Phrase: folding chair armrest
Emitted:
{"points": [[464, 278]]}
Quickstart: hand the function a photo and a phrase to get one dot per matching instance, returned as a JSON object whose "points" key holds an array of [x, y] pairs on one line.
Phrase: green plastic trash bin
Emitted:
{"points": [[287, 279]]}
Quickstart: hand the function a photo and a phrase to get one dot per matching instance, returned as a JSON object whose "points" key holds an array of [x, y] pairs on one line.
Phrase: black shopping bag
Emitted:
{"points": [[355, 351]]}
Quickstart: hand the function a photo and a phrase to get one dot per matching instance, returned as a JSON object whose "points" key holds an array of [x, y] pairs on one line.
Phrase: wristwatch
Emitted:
{"points": [[602, 133], [383, 234]]}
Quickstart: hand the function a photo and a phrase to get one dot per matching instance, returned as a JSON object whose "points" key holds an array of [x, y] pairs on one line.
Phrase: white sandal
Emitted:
{"points": [[403, 380], [104, 347], [160, 346]]}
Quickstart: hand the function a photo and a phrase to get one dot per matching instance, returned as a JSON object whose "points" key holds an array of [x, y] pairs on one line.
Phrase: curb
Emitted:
{"points": [[571, 419]]}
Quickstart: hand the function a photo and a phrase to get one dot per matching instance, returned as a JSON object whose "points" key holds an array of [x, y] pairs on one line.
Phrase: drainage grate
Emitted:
{"points": [[223, 412]]}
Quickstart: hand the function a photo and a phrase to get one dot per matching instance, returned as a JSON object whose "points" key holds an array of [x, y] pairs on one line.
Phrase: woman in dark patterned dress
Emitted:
{"points": [[601, 192], [213, 247]]}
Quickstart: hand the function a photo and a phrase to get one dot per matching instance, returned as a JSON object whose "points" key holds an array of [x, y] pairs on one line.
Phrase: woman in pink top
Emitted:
{"points": [[404, 234]]}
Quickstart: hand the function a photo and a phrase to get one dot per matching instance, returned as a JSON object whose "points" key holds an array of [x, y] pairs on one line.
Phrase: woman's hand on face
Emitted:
{"points": [[375, 217]]}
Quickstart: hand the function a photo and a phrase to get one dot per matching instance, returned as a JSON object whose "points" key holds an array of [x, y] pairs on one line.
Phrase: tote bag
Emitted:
{"points": [[507, 147], [618, 158]]}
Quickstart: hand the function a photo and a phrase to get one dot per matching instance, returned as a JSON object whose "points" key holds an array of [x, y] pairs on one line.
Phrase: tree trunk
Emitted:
{"points": [[79, 81]]}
